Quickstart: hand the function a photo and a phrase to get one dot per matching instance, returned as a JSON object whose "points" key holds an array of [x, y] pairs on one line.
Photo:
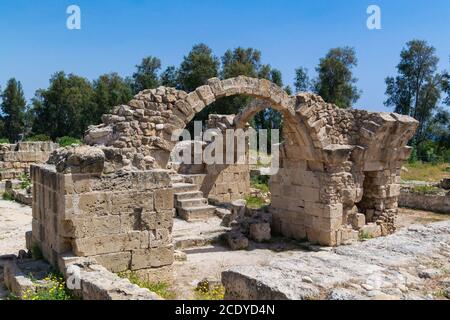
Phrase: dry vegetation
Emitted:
{"points": [[426, 172]]}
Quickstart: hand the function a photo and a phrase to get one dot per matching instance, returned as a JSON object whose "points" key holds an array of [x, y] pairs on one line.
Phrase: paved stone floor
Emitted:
{"points": [[211, 260]]}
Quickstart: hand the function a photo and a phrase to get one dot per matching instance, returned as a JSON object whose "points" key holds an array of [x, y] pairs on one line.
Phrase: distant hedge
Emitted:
{"points": [[67, 141], [38, 137]]}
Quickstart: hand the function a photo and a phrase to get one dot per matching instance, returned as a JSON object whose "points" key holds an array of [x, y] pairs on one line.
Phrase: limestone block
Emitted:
{"points": [[216, 87], [159, 238], [106, 244], [205, 93], [84, 227], [393, 190], [195, 101], [358, 221], [237, 241], [15, 280], [152, 258], [128, 202], [372, 230], [114, 262], [260, 232], [163, 199], [308, 193], [94, 203]]}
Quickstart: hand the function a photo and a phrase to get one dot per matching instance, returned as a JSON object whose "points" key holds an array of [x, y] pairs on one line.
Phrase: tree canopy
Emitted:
{"points": [[335, 82], [13, 109]]}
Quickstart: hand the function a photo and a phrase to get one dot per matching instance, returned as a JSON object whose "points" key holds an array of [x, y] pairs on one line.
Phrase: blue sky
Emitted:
{"points": [[117, 34]]}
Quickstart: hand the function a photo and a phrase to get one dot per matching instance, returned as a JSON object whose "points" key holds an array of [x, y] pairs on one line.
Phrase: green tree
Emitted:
{"points": [[13, 109], [302, 82], [335, 82], [197, 67], [416, 90], [65, 108], [110, 90], [169, 77], [438, 130], [237, 62], [146, 75]]}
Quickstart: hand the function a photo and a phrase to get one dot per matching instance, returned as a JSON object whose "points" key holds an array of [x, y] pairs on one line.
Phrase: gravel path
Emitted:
{"points": [[15, 220]]}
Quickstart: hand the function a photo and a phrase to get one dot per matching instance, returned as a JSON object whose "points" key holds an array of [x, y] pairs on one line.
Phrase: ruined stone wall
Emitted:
{"points": [[225, 183], [122, 219], [340, 168], [16, 159]]}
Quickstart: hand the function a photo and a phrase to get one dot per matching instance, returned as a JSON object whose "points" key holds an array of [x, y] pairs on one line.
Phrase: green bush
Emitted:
{"points": [[260, 182], [67, 141], [254, 202], [25, 181], [4, 141], [38, 137], [7, 196]]}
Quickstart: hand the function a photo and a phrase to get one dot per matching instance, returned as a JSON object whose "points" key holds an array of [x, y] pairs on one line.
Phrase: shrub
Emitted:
{"points": [[260, 182], [364, 236], [255, 202], [67, 141], [38, 137], [25, 181], [4, 141], [7, 196]]}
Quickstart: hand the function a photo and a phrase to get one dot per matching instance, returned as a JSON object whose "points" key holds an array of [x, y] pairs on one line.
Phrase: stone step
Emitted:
{"points": [[188, 195], [196, 213], [177, 178], [184, 187], [194, 178], [193, 202]]}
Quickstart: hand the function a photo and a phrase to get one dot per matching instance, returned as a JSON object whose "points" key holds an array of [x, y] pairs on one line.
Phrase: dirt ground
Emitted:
{"points": [[209, 262], [202, 262]]}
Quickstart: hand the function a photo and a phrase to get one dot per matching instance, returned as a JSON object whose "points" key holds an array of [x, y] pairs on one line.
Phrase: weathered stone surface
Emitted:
{"points": [[92, 281], [437, 201], [260, 232], [237, 241], [16, 159], [382, 268]]}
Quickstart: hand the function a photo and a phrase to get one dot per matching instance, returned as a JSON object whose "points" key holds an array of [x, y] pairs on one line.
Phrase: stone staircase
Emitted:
{"points": [[189, 201]]}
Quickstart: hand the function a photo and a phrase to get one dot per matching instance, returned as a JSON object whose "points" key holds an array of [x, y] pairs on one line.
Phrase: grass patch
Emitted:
{"points": [[420, 171], [424, 189], [205, 292], [162, 289], [364, 236], [53, 287], [68, 141], [254, 202], [7, 196], [4, 141], [263, 187]]}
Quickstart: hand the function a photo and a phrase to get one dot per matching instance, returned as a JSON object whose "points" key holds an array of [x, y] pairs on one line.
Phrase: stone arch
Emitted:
{"points": [[332, 156]]}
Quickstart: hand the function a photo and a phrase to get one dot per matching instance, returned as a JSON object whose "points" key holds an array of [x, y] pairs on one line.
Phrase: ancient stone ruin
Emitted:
{"points": [[114, 199], [16, 159]]}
